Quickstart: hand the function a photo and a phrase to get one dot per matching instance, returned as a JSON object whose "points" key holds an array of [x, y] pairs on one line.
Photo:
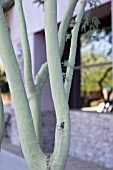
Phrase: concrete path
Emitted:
{"points": [[9, 161]]}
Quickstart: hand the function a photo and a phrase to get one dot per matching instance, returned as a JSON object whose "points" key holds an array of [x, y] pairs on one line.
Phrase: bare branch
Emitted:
{"points": [[61, 35], [65, 24], [1, 120], [69, 71], [62, 135]]}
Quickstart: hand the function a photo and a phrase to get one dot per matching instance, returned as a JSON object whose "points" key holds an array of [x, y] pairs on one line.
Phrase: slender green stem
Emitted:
{"points": [[30, 145], [34, 96], [41, 77], [69, 72], [65, 23], [25, 46], [1, 120], [43, 72], [62, 135]]}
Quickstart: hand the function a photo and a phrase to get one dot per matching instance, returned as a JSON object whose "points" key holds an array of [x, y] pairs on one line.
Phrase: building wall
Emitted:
{"points": [[92, 137]]}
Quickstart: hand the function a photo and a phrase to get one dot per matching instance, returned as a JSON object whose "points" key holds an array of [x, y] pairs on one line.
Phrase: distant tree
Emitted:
{"points": [[91, 54]]}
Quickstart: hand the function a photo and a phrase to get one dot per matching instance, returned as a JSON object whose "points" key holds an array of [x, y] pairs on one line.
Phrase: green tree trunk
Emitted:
{"points": [[62, 135], [32, 90], [27, 106], [30, 146], [73, 48]]}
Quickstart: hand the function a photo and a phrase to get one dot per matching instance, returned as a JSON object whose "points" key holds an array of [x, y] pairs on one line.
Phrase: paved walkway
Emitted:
{"points": [[9, 161]]}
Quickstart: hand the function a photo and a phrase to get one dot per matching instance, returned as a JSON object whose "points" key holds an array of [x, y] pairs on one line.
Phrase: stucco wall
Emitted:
{"points": [[48, 128], [92, 137], [34, 16]]}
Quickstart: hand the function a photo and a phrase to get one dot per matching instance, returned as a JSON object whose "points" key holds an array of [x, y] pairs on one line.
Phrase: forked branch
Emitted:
{"points": [[62, 37], [30, 145]]}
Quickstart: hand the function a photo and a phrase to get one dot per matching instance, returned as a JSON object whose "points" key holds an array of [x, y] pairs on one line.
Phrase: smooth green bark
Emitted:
{"points": [[43, 72], [62, 135], [71, 61], [34, 97], [25, 46], [65, 24], [1, 121], [28, 109], [30, 146], [61, 36]]}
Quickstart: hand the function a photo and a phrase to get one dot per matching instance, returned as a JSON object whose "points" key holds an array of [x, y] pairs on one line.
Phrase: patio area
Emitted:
{"points": [[10, 161]]}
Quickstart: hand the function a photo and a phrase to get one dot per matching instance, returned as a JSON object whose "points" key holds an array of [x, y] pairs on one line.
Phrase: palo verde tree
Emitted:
{"points": [[27, 101]]}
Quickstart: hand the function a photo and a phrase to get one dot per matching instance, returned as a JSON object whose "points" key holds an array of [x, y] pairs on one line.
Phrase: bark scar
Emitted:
{"points": [[48, 163], [61, 126]]}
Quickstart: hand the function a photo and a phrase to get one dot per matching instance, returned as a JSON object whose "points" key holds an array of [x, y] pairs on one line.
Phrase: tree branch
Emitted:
{"points": [[34, 96], [30, 145], [69, 71], [43, 72], [25, 46], [62, 135]]}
